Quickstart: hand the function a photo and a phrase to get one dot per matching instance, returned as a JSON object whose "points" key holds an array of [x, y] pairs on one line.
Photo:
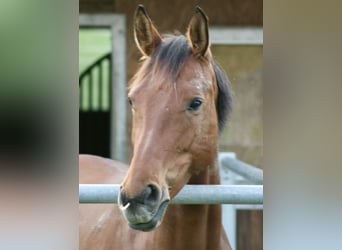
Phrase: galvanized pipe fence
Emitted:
{"points": [[194, 194], [252, 174], [190, 194]]}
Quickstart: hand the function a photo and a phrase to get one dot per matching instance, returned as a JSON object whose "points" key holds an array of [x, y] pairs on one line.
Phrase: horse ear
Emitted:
{"points": [[198, 34], [146, 35]]}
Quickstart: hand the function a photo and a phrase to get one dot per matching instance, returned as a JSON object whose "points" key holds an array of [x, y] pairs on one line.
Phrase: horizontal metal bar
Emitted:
{"points": [[248, 206], [190, 194], [253, 174]]}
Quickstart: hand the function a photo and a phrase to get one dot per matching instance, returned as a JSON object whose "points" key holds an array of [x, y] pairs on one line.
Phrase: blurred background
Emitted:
{"points": [[39, 107], [108, 58]]}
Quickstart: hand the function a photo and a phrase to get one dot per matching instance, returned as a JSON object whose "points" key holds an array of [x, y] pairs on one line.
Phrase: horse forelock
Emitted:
{"points": [[172, 54]]}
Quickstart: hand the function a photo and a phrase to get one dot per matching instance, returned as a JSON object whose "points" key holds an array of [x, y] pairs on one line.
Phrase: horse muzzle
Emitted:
{"points": [[145, 211]]}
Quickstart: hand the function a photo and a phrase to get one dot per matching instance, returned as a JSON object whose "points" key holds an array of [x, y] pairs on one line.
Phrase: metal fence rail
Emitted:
{"points": [[190, 194], [252, 174]]}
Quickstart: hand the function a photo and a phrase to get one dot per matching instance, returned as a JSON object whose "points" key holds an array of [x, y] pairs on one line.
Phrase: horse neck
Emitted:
{"points": [[210, 175], [196, 226]]}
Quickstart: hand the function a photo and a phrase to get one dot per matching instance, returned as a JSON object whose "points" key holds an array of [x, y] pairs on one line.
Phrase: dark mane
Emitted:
{"points": [[224, 98], [173, 52]]}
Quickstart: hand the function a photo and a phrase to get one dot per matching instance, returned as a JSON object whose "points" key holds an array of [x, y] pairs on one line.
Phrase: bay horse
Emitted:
{"points": [[180, 101]]}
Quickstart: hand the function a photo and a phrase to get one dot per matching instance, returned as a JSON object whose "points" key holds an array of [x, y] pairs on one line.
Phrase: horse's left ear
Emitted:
{"points": [[198, 33]]}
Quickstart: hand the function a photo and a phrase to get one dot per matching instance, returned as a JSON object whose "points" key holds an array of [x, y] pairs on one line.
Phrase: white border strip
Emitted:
{"points": [[236, 35]]}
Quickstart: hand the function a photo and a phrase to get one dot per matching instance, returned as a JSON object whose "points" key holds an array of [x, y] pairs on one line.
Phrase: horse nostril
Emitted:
{"points": [[123, 198], [151, 195]]}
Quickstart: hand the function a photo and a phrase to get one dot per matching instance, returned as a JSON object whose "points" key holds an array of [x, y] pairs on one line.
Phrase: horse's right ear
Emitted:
{"points": [[146, 35]]}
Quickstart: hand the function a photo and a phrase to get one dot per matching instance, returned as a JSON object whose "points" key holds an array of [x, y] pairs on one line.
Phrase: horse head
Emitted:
{"points": [[180, 100]]}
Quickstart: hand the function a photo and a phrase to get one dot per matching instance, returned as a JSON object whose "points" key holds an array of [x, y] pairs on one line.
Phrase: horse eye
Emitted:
{"points": [[129, 101], [194, 104]]}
